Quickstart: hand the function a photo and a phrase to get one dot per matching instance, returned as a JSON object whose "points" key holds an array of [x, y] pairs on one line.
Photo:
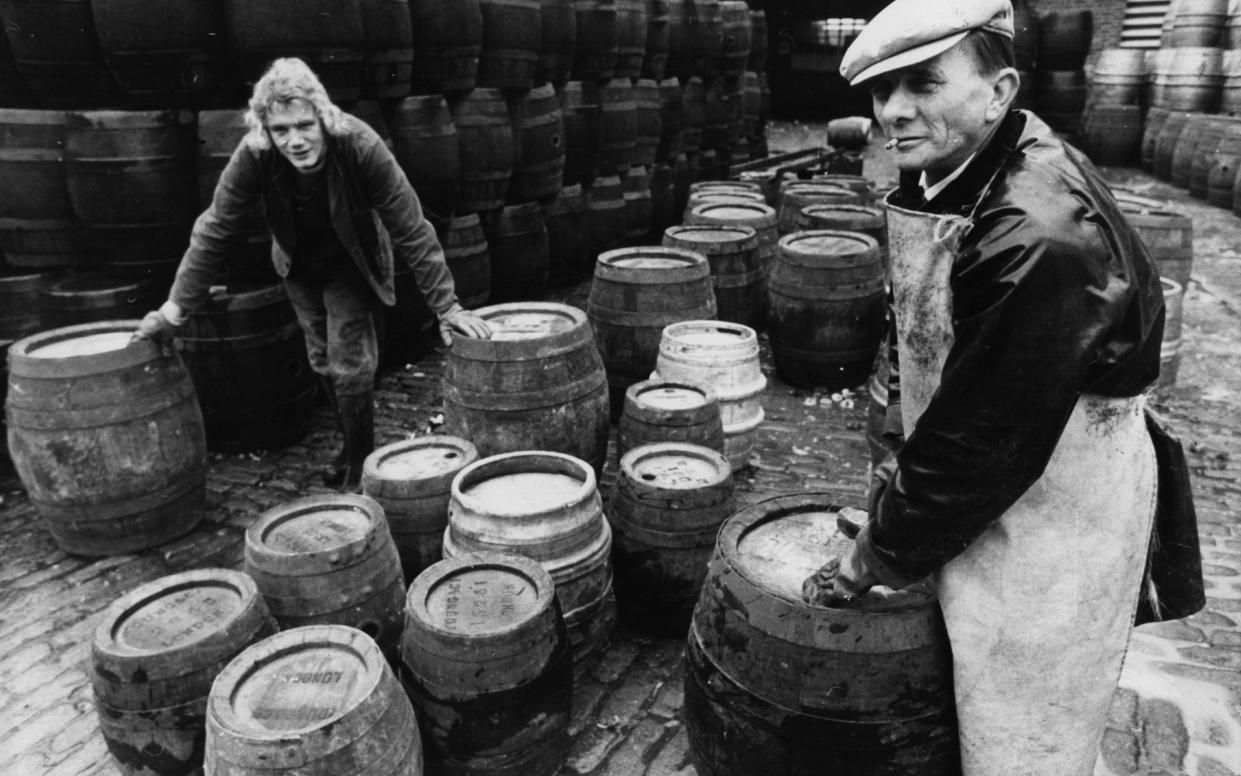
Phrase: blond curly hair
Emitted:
{"points": [[286, 80]]}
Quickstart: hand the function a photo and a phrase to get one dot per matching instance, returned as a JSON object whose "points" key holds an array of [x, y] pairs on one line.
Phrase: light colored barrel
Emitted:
{"points": [[1165, 145], [1198, 22], [412, 480], [799, 194], [318, 700], [737, 275], [1119, 77], [1191, 80], [546, 507], [670, 411], [724, 356], [1155, 118], [1222, 172], [329, 560], [1230, 90]]}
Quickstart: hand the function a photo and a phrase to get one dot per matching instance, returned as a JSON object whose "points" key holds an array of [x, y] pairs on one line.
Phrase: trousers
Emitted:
{"points": [[337, 316]]}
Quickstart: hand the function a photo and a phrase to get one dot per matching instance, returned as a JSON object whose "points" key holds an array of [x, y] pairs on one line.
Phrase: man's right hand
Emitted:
{"points": [[155, 327]]}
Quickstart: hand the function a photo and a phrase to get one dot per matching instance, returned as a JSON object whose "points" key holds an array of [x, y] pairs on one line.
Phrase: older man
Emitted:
{"points": [[338, 208], [1028, 323]]}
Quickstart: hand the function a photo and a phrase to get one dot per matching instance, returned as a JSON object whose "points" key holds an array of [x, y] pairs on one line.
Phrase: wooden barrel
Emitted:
{"points": [[756, 215], [723, 356], [38, 228], [800, 194], [485, 143], [667, 506], [426, 146], [327, 34], [669, 411], [709, 38], [517, 242], [538, 140], [703, 197], [1064, 39], [1155, 119], [605, 214], [1170, 348], [680, 181], [598, 40], [658, 37], [1112, 134], [90, 297], [1191, 80], [486, 662], [164, 55], [1209, 142], [538, 383], [737, 37], [387, 48], [448, 37], [827, 308], [872, 221], [410, 479], [1196, 130], [619, 110], [1167, 234], [757, 61], [1060, 98], [723, 108], [544, 506], [1232, 28], [559, 38], [21, 311], [246, 353], [568, 238], [635, 293], [582, 109], [1119, 77], [694, 112], [1166, 142], [671, 120], [648, 120], [1198, 23], [56, 50], [1222, 172], [682, 38], [154, 655], [773, 684], [107, 437], [468, 259], [1230, 89], [637, 196], [663, 198], [736, 274], [329, 560], [630, 38], [512, 39], [319, 700], [219, 133]]}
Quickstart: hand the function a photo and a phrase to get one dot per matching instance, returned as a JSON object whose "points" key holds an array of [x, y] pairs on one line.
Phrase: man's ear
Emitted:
{"points": [[1003, 91]]}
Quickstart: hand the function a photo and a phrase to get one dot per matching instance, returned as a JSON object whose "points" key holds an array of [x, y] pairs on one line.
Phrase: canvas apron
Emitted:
{"points": [[1040, 607]]}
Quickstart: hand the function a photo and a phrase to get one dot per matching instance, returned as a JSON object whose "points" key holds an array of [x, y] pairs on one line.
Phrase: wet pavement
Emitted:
{"points": [[1178, 710]]}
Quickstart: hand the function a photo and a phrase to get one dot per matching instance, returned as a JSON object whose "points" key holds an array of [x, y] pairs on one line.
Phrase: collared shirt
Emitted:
{"points": [[929, 192]]}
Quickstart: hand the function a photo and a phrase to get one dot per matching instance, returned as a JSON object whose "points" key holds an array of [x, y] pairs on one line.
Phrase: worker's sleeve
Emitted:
{"points": [[413, 239], [1032, 303]]}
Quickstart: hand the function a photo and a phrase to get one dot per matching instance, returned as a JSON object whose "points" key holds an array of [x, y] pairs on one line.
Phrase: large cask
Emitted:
{"points": [[736, 274], [658, 411], [448, 37], [327, 34]]}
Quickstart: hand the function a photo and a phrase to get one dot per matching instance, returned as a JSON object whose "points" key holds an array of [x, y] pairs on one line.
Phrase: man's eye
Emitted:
{"points": [[923, 85]]}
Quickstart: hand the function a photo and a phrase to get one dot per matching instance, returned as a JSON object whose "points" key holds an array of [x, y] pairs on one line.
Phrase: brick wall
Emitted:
{"points": [[1108, 17]]}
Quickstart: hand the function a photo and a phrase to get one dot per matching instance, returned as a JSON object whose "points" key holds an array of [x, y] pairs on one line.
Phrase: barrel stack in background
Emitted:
{"points": [[1059, 93]]}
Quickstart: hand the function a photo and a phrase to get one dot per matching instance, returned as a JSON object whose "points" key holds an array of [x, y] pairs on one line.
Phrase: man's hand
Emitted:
{"points": [[842, 579], [157, 328], [462, 321]]}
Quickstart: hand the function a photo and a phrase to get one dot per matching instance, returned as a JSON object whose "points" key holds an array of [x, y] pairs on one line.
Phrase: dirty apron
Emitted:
{"points": [[1040, 607]]}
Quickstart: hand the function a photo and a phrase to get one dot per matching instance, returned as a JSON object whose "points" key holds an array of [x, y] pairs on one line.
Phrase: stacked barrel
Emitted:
{"points": [[1059, 93]]}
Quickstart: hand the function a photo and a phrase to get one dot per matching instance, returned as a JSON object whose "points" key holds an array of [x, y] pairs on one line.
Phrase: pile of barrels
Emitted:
{"points": [[1051, 51]]}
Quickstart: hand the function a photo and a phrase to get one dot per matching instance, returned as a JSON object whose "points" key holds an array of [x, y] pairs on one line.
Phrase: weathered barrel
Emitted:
{"points": [[538, 140], [485, 142], [56, 49], [1186, 146], [756, 215], [468, 259], [1230, 89], [658, 37], [245, 351], [557, 40], [799, 194], [1112, 134], [1232, 28], [635, 293], [773, 684], [411, 480], [545, 506], [318, 700], [90, 297], [605, 214], [757, 61], [1168, 235], [668, 503], [694, 112], [736, 274], [426, 145], [826, 310], [598, 40], [107, 437], [327, 34], [648, 122], [517, 242], [1119, 77], [1209, 142], [154, 655], [1198, 23], [1191, 80], [568, 240], [871, 221], [20, 301], [486, 662], [724, 356], [669, 411], [709, 38], [538, 383], [737, 37], [637, 196], [1170, 348], [619, 111], [671, 119], [630, 38], [448, 37], [714, 195], [1155, 119], [329, 560], [38, 229], [1223, 167], [1165, 143], [582, 113], [663, 198], [1064, 39], [512, 39], [387, 48]]}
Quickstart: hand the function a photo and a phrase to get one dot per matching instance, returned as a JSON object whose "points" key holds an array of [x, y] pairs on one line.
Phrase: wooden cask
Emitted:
{"points": [[1197, 129], [545, 506], [630, 38], [568, 237], [775, 685], [671, 120], [55, 48], [723, 356], [637, 196], [156, 652], [582, 113], [91, 297], [34, 195], [737, 37], [448, 38], [605, 214], [517, 243], [736, 274], [538, 140], [1222, 171], [669, 411], [538, 383], [468, 258], [826, 313], [1165, 144], [1155, 118], [668, 504], [1192, 80], [412, 481], [598, 40], [387, 49], [795, 196], [512, 38], [329, 560], [21, 309], [485, 143], [327, 34], [868, 220], [107, 437], [318, 700], [756, 215], [619, 109], [425, 143], [486, 662], [559, 38], [658, 37], [649, 122]]}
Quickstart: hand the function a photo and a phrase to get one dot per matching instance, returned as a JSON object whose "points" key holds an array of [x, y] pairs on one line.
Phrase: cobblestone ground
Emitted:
{"points": [[1178, 710]]}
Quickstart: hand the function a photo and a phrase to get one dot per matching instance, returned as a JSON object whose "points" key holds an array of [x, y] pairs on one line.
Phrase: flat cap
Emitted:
{"points": [[911, 31]]}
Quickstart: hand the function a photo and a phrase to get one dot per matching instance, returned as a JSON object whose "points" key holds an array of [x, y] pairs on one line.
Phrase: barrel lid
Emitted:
{"points": [[670, 395], [829, 242], [177, 624], [843, 209], [521, 484], [735, 211], [669, 265], [712, 334], [427, 460], [521, 327], [315, 534], [480, 595], [675, 466], [108, 346], [85, 345], [535, 491], [712, 238], [727, 195]]}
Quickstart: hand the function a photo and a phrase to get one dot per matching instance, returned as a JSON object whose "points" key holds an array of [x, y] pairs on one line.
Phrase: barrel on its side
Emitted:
{"points": [[538, 139], [448, 37], [327, 34]]}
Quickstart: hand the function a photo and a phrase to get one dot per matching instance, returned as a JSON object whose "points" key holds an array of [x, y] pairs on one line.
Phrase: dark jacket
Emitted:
{"points": [[374, 211], [1054, 295]]}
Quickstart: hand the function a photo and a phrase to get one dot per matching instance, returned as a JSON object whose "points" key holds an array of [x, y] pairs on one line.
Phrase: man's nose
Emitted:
{"points": [[898, 107]]}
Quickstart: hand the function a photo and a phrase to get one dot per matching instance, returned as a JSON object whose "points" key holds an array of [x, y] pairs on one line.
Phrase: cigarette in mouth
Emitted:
{"points": [[888, 146]]}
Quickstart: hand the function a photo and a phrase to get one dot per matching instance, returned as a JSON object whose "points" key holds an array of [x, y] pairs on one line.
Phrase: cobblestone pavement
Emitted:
{"points": [[1178, 710]]}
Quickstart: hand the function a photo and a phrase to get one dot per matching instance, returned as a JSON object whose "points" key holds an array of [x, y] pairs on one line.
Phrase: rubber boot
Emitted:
{"points": [[357, 414], [334, 474]]}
